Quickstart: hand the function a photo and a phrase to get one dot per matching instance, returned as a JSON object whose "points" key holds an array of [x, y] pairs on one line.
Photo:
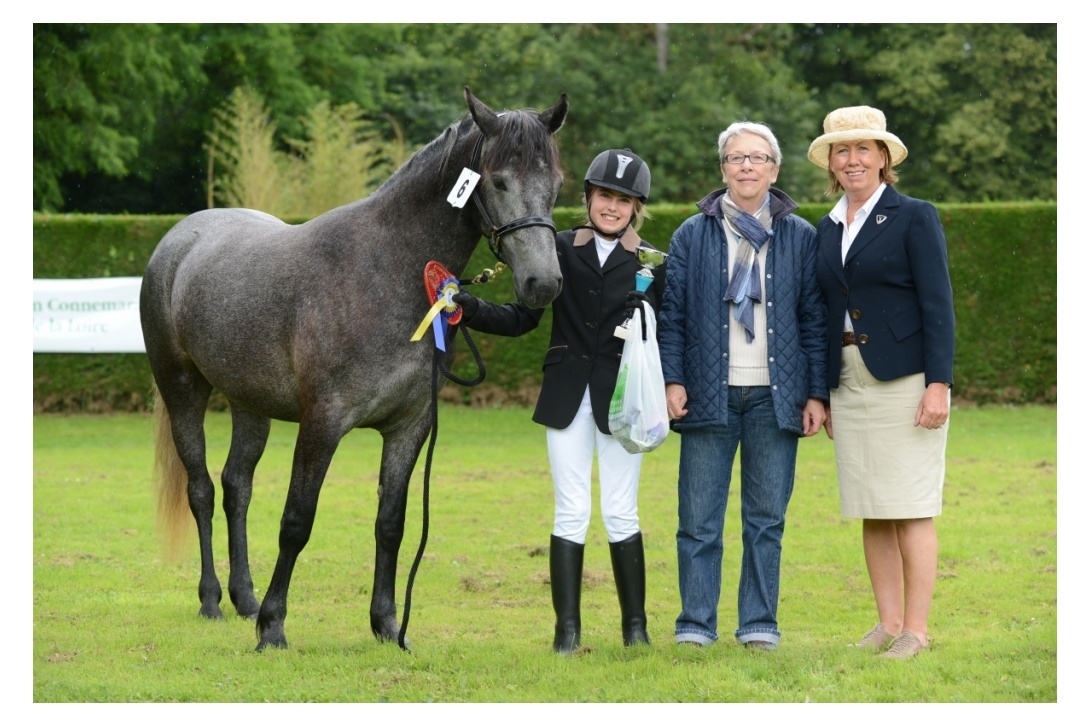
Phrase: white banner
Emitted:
{"points": [[91, 315]]}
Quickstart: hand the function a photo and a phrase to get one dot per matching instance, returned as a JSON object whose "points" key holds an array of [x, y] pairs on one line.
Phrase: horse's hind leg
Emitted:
{"points": [[185, 394], [249, 434]]}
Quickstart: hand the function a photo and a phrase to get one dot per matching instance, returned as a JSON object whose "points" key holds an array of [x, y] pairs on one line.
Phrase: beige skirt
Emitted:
{"points": [[888, 468]]}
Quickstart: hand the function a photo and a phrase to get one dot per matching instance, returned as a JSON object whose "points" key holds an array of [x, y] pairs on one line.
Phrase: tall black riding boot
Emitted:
{"points": [[566, 575], [628, 571]]}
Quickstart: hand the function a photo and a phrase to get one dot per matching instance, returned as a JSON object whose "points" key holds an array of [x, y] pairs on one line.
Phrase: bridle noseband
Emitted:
{"points": [[492, 232]]}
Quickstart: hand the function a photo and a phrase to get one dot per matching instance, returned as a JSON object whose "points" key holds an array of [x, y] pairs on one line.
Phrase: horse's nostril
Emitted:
{"points": [[545, 284], [537, 292]]}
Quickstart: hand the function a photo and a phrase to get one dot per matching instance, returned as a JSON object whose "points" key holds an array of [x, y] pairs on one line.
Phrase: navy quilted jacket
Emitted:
{"points": [[693, 322]]}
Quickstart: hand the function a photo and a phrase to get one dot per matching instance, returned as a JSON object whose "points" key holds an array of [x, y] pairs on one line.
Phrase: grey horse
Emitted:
{"points": [[311, 323]]}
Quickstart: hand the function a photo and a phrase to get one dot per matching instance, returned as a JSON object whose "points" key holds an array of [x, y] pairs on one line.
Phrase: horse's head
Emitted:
{"points": [[520, 178]]}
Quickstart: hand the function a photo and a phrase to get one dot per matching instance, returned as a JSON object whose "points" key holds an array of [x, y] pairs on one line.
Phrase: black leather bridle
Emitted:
{"points": [[492, 232]]}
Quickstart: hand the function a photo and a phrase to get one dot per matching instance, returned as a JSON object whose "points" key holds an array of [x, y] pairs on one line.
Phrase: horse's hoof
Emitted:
{"points": [[211, 611], [278, 644], [385, 636], [386, 628], [274, 638], [246, 604], [248, 608], [271, 635]]}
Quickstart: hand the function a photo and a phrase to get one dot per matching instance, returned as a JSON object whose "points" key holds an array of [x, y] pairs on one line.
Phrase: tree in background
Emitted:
{"points": [[122, 112], [974, 103], [708, 77], [665, 91], [99, 93], [156, 87]]}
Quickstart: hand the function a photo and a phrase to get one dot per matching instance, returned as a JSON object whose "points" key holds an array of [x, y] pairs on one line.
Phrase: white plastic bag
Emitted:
{"points": [[637, 411]]}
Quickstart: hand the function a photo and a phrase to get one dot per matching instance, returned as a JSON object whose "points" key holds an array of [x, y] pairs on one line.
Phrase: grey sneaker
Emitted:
{"points": [[905, 646], [877, 638], [760, 645]]}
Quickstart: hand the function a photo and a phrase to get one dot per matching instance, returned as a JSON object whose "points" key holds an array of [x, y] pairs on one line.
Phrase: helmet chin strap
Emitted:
{"points": [[606, 235]]}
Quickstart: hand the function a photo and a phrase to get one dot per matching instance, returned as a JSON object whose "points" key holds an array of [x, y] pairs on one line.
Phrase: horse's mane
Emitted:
{"points": [[523, 137], [449, 139]]}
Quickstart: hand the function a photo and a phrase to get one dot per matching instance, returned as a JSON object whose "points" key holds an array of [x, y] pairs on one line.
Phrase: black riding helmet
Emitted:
{"points": [[620, 170]]}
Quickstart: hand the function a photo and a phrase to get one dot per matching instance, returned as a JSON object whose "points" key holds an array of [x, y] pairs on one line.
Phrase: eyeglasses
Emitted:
{"points": [[753, 158]]}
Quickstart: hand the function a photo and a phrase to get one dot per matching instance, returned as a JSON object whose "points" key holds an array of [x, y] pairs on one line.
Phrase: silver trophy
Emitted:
{"points": [[649, 259]]}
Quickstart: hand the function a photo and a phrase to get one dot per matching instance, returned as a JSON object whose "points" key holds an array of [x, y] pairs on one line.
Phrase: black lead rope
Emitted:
{"points": [[493, 234], [437, 367]]}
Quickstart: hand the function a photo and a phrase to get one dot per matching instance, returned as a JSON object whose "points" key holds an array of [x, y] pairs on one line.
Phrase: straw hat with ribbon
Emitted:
{"points": [[855, 123]]}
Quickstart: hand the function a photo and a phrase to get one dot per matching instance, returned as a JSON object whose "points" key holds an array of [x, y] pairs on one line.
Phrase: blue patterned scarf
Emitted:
{"points": [[744, 288]]}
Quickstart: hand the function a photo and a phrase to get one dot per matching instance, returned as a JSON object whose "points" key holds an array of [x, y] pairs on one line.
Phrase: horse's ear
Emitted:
{"points": [[486, 118], [554, 117]]}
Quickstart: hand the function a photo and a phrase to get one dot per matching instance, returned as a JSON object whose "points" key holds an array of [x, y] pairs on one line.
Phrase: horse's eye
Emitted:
{"points": [[499, 184]]}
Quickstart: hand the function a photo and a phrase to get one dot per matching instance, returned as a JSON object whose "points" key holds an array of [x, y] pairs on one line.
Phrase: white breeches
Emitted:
{"points": [[571, 455]]}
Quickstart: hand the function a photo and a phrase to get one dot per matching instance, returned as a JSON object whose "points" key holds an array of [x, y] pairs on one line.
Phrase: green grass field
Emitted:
{"points": [[113, 623]]}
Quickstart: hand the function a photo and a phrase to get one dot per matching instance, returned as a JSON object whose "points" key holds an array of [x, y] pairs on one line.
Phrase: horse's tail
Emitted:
{"points": [[174, 515]]}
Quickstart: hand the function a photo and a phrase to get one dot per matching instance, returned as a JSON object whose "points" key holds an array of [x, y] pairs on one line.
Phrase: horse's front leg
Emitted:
{"points": [[249, 434], [400, 450], [314, 450]]}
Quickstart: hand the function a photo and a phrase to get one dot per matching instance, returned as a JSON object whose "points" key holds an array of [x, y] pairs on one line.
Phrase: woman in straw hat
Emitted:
{"points": [[883, 271]]}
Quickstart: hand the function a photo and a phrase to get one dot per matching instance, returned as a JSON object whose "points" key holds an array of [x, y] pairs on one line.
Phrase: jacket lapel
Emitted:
{"points": [[878, 221], [830, 250], [624, 252], [586, 251]]}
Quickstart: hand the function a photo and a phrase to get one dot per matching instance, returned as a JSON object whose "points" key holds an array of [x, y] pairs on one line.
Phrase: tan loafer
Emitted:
{"points": [[877, 638], [905, 646]]}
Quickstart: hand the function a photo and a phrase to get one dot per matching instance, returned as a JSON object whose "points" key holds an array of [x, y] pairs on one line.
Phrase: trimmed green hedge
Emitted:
{"points": [[1002, 263]]}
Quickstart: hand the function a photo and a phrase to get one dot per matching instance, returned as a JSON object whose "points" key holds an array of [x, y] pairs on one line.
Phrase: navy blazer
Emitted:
{"points": [[583, 350], [895, 285]]}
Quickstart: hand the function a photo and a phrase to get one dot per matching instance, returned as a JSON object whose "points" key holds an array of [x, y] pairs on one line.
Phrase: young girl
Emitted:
{"points": [[599, 265]]}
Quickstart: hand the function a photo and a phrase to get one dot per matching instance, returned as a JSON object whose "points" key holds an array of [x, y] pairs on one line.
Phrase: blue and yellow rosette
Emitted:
{"points": [[441, 286]]}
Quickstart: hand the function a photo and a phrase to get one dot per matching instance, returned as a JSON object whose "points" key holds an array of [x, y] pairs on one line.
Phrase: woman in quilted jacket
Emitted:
{"points": [[742, 341]]}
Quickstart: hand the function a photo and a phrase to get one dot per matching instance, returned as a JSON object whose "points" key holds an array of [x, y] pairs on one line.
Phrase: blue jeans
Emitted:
{"points": [[768, 478]]}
